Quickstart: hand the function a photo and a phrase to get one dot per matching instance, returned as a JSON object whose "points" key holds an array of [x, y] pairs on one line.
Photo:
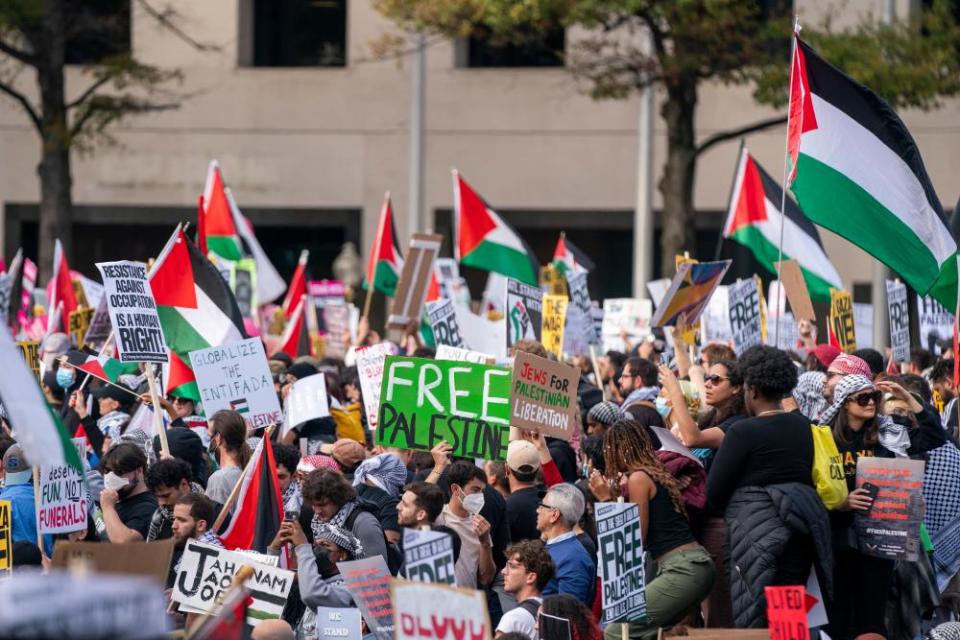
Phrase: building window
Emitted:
{"points": [[99, 29], [299, 33], [541, 49]]}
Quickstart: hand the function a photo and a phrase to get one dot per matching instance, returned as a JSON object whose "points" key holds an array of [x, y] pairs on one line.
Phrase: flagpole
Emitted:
{"points": [[783, 193], [103, 350], [157, 409], [63, 360], [232, 498]]}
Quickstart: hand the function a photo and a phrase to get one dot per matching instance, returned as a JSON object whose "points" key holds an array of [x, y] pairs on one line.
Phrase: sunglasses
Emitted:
{"points": [[714, 379], [864, 399]]}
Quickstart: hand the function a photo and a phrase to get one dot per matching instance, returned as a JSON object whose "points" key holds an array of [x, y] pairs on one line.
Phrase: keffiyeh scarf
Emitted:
{"points": [[809, 394], [892, 436], [163, 516], [338, 520], [385, 471]]}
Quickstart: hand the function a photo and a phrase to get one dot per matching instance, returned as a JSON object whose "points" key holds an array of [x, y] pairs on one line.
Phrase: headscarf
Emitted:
{"points": [[311, 463], [892, 436], [385, 471], [340, 537], [809, 394]]}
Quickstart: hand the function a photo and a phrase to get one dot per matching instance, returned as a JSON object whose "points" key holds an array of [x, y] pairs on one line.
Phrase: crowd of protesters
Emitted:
{"points": [[739, 514]]}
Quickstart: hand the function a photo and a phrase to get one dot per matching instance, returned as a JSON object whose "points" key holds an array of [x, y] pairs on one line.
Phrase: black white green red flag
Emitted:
{"points": [[386, 261], [856, 170], [259, 507], [569, 259]]}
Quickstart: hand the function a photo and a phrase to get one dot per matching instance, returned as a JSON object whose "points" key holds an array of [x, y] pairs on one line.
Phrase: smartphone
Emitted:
{"points": [[290, 516], [871, 489]]}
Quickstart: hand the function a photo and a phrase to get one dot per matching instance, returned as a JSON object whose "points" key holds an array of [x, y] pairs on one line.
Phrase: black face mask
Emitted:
{"points": [[325, 566], [907, 421]]}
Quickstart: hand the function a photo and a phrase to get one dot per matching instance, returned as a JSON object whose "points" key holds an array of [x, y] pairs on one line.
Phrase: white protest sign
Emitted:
{"points": [[336, 319], [307, 400], [133, 312], [744, 305], [428, 556], [207, 571], [657, 289], [630, 315], [63, 496], [580, 301], [236, 376], [370, 371], [936, 323], [423, 610], [898, 310], [788, 332], [443, 322], [620, 562], [445, 352], [577, 332], [486, 336], [335, 622], [863, 324], [715, 321], [447, 273]]}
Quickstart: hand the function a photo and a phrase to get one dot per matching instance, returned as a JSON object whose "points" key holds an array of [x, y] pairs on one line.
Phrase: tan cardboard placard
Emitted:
{"points": [[414, 280], [150, 559], [797, 294], [543, 396]]}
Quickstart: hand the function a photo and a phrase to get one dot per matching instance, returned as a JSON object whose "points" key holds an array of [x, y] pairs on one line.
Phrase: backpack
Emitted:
{"points": [[394, 555]]}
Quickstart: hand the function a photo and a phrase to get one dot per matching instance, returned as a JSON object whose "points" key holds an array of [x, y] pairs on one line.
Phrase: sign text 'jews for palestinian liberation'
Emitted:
{"points": [[543, 396]]}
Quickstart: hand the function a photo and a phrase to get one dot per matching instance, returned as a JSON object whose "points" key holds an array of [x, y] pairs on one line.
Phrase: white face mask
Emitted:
{"points": [[115, 482], [472, 503]]}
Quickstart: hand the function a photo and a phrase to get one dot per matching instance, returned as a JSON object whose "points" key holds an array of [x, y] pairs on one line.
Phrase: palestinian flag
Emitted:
{"points": [[568, 259], [857, 171], [296, 336], [270, 285], [220, 232], [178, 379], [383, 269], [60, 289], [196, 307], [259, 511], [298, 285], [754, 221], [103, 367], [485, 241]]}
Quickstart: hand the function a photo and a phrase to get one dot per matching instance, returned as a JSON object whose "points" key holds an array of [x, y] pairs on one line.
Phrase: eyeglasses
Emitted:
{"points": [[545, 505], [714, 379], [625, 375], [181, 400], [864, 399]]}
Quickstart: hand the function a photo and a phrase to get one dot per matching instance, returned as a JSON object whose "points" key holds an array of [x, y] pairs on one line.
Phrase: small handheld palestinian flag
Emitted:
{"points": [[569, 259], [103, 367], [386, 262]]}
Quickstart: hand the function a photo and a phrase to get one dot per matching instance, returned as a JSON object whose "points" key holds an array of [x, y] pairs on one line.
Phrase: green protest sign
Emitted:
{"points": [[423, 402]]}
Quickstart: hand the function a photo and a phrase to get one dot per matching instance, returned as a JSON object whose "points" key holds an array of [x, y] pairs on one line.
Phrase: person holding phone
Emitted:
{"points": [[860, 429]]}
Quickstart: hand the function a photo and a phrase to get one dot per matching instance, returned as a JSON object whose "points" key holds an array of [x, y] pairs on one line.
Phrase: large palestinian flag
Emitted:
{"points": [[754, 221], [196, 307], [857, 171], [259, 511], [383, 269], [483, 240]]}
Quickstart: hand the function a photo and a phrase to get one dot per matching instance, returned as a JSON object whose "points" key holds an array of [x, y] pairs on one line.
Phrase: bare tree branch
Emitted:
{"points": [[163, 18], [717, 138], [89, 91], [117, 110], [22, 99], [17, 54]]}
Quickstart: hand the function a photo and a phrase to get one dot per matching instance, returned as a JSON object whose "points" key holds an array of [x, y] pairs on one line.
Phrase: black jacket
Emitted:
{"points": [[760, 523]]}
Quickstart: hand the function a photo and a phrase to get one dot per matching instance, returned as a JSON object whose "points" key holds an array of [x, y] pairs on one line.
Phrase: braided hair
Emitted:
{"points": [[627, 448]]}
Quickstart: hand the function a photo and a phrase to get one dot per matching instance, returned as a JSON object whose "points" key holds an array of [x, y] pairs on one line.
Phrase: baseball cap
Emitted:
{"points": [[15, 466], [522, 456]]}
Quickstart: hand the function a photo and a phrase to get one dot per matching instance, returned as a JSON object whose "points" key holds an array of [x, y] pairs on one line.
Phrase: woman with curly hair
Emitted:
{"points": [[685, 571]]}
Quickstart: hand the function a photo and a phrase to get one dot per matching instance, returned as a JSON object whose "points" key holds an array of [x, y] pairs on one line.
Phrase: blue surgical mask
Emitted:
{"points": [[65, 378], [663, 407]]}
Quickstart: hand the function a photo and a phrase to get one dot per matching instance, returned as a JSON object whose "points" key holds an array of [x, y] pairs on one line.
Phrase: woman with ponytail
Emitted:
{"points": [[228, 445], [685, 572]]}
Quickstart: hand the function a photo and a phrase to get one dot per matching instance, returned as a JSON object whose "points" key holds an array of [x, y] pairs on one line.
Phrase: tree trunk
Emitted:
{"points": [[54, 169], [676, 184]]}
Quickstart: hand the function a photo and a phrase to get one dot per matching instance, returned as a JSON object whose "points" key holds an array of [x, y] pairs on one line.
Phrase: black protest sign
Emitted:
{"points": [[891, 527], [443, 322], [898, 310], [133, 312], [620, 562], [745, 316], [368, 581], [524, 311], [428, 556]]}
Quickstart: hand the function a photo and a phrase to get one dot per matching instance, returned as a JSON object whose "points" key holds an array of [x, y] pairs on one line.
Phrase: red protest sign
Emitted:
{"points": [[787, 613]]}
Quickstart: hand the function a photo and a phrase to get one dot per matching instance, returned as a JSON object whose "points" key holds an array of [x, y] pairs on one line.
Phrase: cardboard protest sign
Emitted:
{"points": [[543, 396], [552, 281], [62, 506], [148, 559], [423, 402], [99, 329], [236, 376], [445, 352], [439, 612], [715, 319], [620, 562], [577, 332], [797, 293], [841, 320], [935, 322], [443, 322], [307, 400], [30, 350], [428, 557], [414, 280], [898, 311], [891, 528], [554, 320], [336, 622], [863, 324], [484, 335], [689, 293], [336, 321], [787, 613], [78, 322], [6, 541], [447, 273], [580, 300], [786, 325], [524, 311], [206, 573], [745, 327], [629, 315], [243, 283], [368, 581], [133, 312], [323, 292], [370, 370]]}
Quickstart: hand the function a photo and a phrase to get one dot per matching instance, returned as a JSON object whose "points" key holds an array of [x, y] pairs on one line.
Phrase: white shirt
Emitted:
{"points": [[519, 621]]}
